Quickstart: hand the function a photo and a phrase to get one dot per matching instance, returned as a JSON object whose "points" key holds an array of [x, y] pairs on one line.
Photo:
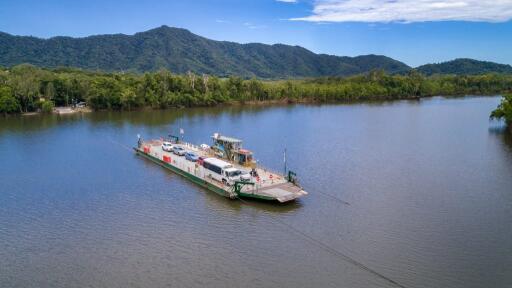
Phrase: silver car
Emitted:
{"points": [[178, 150]]}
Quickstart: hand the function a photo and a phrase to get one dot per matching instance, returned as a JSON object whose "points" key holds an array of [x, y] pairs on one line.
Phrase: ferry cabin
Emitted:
{"points": [[231, 149]]}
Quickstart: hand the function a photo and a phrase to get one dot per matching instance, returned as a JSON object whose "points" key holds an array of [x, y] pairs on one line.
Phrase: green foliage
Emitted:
{"points": [[181, 51], [47, 106], [115, 91], [464, 67], [504, 110], [8, 104]]}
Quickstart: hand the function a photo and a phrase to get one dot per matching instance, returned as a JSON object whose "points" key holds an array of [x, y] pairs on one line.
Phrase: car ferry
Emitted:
{"points": [[224, 168]]}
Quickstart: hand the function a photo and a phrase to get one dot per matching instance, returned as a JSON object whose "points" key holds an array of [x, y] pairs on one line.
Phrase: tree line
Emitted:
{"points": [[26, 88]]}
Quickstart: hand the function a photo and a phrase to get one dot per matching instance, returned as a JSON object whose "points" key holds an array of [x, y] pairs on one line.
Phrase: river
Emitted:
{"points": [[401, 194]]}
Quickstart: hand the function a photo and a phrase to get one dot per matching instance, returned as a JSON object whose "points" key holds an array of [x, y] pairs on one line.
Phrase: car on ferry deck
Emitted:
{"points": [[191, 157], [178, 150], [167, 146]]}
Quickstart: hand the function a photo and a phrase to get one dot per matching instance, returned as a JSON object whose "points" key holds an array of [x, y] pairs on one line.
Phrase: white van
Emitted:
{"points": [[223, 171]]}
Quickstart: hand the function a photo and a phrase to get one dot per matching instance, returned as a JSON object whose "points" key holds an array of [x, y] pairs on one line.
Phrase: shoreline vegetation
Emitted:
{"points": [[504, 111], [26, 88]]}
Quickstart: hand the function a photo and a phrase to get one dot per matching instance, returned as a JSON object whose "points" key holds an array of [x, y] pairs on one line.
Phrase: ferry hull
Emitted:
{"points": [[201, 182]]}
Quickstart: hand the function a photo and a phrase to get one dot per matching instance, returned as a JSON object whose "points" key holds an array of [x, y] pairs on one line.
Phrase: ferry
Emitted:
{"points": [[225, 168]]}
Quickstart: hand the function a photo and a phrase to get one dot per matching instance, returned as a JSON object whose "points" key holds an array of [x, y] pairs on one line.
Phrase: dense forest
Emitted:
{"points": [[463, 66], [180, 51], [26, 88]]}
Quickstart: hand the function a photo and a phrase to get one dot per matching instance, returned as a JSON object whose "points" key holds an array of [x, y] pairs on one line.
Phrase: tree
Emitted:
{"points": [[128, 98], [504, 110], [24, 81], [8, 104], [47, 106], [49, 91]]}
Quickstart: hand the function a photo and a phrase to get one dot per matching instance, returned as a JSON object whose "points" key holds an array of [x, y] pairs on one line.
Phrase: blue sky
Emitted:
{"points": [[415, 32]]}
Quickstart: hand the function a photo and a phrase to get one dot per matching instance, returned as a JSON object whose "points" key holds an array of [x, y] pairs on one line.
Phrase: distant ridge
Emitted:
{"points": [[464, 66], [181, 51]]}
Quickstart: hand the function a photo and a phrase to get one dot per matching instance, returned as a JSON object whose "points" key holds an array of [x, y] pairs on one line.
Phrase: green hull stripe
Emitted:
{"points": [[196, 179]]}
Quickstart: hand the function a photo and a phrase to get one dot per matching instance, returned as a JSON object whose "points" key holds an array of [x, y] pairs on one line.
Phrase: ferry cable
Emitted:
{"points": [[334, 197], [312, 240], [333, 251], [120, 144]]}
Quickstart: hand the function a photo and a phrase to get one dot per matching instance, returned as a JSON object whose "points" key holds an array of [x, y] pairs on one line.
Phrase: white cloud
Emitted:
{"points": [[409, 11], [287, 1], [253, 26]]}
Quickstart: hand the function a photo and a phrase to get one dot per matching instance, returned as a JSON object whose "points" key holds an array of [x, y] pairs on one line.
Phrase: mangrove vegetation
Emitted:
{"points": [[26, 88], [504, 110]]}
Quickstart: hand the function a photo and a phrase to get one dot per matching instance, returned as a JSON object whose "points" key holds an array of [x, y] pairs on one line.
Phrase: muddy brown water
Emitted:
{"points": [[406, 193]]}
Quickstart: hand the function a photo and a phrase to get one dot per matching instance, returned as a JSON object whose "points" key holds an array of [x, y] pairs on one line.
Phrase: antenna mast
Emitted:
{"points": [[284, 160]]}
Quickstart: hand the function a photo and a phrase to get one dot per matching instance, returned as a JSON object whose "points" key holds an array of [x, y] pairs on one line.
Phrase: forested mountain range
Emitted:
{"points": [[181, 51], [464, 66]]}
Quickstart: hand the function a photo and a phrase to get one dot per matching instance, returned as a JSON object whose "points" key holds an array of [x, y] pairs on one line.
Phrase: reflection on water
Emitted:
{"points": [[218, 200], [23, 124], [427, 182], [500, 131], [507, 138]]}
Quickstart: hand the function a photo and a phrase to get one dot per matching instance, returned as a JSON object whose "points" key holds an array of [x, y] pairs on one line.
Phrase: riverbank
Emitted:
{"points": [[291, 102], [162, 89], [61, 111], [71, 110]]}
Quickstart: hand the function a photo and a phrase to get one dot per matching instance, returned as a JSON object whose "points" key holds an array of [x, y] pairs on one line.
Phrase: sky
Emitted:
{"points": [[414, 32]]}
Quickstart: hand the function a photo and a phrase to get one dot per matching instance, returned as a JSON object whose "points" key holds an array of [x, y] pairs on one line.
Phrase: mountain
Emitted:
{"points": [[181, 51], [463, 66]]}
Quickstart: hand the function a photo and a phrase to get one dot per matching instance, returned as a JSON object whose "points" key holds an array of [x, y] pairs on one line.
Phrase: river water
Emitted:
{"points": [[401, 194]]}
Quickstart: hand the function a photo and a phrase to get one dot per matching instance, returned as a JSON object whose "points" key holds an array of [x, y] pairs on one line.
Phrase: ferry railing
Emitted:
{"points": [[277, 175]]}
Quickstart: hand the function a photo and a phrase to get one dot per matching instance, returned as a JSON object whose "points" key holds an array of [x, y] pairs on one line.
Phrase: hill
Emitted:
{"points": [[463, 66], [181, 51]]}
